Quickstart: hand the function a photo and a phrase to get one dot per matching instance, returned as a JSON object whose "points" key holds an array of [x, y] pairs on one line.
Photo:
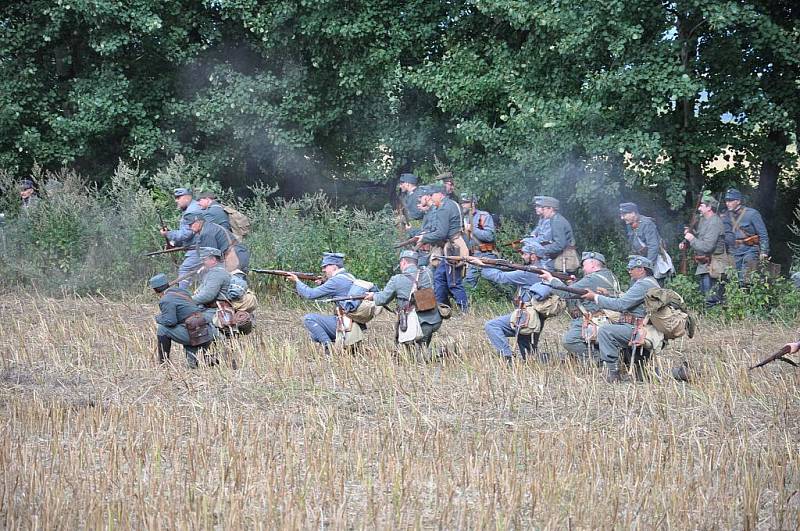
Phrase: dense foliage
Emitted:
{"points": [[592, 101]]}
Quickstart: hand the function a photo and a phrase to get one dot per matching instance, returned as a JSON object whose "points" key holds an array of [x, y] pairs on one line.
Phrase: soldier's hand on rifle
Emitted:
{"points": [[291, 277], [602, 291], [689, 236], [368, 295], [546, 276], [475, 260], [589, 295], [793, 347]]}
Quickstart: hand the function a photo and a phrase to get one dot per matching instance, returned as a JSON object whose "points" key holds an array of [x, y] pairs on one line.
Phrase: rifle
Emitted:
{"points": [[574, 291], [167, 251], [196, 271], [690, 228], [514, 244], [281, 273], [751, 240], [468, 233], [410, 241], [777, 356], [499, 263], [342, 299]]}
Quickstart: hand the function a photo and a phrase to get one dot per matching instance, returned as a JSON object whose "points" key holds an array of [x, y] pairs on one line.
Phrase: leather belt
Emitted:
{"points": [[627, 318]]}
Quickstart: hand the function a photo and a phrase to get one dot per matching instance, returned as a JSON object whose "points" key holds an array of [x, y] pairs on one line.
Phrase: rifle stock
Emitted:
{"points": [[777, 356], [282, 273]]}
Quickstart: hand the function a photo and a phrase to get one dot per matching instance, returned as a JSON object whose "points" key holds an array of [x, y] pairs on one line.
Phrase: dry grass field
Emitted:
{"points": [[94, 434]]}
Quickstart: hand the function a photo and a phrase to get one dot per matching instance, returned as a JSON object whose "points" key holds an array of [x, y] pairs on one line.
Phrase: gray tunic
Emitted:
{"points": [[750, 223], [644, 240], [212, 235], [183, 234], [709, 240], [214, 285], [216, 214], [632, 301], [603, 278], [176, 306], [399, 287], [560, 236], [410, 201], [444, 221]]}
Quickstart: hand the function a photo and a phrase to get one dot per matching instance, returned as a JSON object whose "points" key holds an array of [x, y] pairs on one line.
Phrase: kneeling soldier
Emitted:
{"points": [[612, 338], [177, 307], [322, 328], [586, 316], [408, 287]]}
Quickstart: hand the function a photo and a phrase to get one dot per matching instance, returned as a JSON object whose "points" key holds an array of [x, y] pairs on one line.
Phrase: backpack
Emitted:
{"points": [[667, 312], [240, 224], [357, 288]]}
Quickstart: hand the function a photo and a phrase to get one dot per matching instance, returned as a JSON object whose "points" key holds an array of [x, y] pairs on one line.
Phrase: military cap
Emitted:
{"points": [[540, 291], [191, 217], [639, 261], [206, 252], [466, 197], [409, 255], [437, 189], [710, 201], [627, 208], [409, 178], [182, 191], [336, 259], [206, 195], [26, 184], [547, 201], [446, 177], [158, 282], [425, 190], [531, 246], [593, 255], [732, 194]]}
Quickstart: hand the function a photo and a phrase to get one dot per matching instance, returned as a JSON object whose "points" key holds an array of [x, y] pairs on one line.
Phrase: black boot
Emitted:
{"points": [[612, 374], [163, 349]]}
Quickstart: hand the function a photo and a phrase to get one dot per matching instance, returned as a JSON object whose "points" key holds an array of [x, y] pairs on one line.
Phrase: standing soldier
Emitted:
{"points": [[409, 186], [27, 194], [612, 338], [213, 211], [498, 330], [478, 227], [745, 233], [411, 280], [183, 235], [441, 231], [555, 235], [176, 306], [644, 240], [708, 246], [598, 279], [448, 183], [322, 328]]}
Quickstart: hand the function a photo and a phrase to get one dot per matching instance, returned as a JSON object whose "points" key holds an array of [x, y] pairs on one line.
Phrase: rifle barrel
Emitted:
{"points": [[574, 291], [777, 356], [166, 251], [282, 273]]}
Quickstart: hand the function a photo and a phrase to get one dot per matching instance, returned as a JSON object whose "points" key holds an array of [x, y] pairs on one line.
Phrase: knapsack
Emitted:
{"points": [[359, 287], [667, 312], [240, 224]]}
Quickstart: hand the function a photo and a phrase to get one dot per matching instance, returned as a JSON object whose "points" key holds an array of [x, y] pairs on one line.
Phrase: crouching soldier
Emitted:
{"points": [[615, 337], [586, 316], [501, 328], [323, 328], [416, 303], [181, 320]]}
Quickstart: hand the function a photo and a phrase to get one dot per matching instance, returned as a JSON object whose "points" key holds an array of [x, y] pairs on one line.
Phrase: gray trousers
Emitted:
{"points": [[573, 341], [612, 338], [190, 262]]}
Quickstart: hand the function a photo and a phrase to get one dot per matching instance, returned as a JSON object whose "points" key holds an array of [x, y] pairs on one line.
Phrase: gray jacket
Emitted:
{"points": [[603, 278], [632, 301], [214, 285], [709, 240], [400, 286], [176, 305], [183, 234], [213, 235], [560, 236], [444, 221], [749, 223], [644, 240], [216, 214]]}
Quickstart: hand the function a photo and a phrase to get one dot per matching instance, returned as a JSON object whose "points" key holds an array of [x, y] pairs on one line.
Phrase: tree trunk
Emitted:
{"points": [[768, 175]]}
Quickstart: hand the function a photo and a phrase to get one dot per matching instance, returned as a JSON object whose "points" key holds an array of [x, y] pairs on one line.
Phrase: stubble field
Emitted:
{"points": [[94, 434]]}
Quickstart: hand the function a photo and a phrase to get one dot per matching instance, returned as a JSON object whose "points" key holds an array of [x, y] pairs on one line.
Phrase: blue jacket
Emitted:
{"points": [[444, 220], [183, 234], [749, 223], [521, 279], [216, 214], [336, 286]]}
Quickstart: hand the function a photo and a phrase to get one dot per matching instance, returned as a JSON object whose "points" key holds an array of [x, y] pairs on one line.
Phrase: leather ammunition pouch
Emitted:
{"points": [[628, 318], [488, 247], [424, 299], [198, 329], [701, 259]]}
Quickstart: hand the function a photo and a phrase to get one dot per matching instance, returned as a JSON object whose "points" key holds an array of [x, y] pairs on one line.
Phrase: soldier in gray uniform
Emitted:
{"points": [[478, 227], [213, 211], [643, 237], [208, 234], [745, 233], [409, 186], [554, 234], [612, 338], [442, 228], [27, 194], [400, 287], [596, 278], [183, 235], [215, 282], [448, 183], [175, 305], [322, 328], [708, 242]]}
